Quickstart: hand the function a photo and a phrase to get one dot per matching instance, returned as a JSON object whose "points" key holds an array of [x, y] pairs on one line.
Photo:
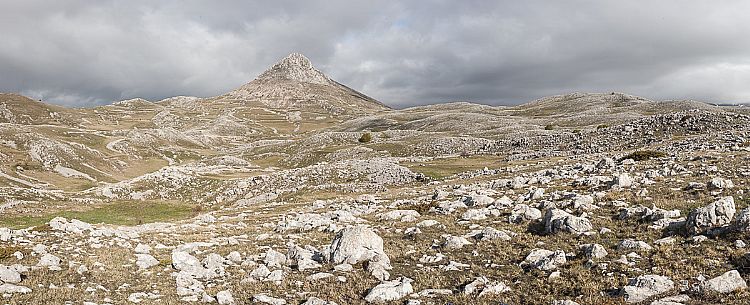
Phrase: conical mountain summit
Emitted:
{"points": [[294, 83], [295, 67]]}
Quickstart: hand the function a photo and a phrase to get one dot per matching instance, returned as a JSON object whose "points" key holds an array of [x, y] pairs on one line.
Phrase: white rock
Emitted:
{"points": [[11, 288], [318, 276], [355, 245], [725, 283], [145, 261], [343, 267], [183, 260], [490, 233], [225, 298], [623, 180], [717, 214], [646, 286], [187, 285], [556, 220], [475, 200], [234, 257], [9, 275], [455, 242], [485, 287], [275, 276], [522, 213], [390, 291], [317, 301], [142, 249], [137, 297], [39, 249], [494, 288], [82, 269], [673, 300], [742, 221], [206, 298], [263, 298], [545, 260], [274, 258], [301, 258], [594, 251], [427, 223], [5, 234], [50, 261], [720, 183], [633, 245], [259, 273]]}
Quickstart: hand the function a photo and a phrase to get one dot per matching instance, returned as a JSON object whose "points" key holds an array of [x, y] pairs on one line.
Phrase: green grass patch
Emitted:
{"points": [[122, 213]]}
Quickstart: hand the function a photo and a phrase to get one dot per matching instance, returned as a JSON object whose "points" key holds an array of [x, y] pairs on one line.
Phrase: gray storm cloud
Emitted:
{"points": [[83, 53]]}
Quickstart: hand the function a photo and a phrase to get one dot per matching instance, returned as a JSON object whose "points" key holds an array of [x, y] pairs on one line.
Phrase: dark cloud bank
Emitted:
{"points": [[403, 53]]}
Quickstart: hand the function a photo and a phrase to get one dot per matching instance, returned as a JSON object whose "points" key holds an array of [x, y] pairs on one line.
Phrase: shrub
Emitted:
{"points": [[643, 155], [365, 138], [42, 228], [549, 127], [576, 131], [602, 126]]}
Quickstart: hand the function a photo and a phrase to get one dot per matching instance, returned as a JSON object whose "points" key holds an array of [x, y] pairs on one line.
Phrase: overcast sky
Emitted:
{"points": [[83, 53]]}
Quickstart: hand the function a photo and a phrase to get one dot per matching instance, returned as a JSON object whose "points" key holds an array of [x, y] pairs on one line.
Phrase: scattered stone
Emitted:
{"points": [[224, 297], [301, 258], [623, 180], [390, 291], [9, 275], [274, 258], [490, 233], [646, 286], [50, 261], [359, 244], [317, 301], [142, 249], [556, 220], [593, 251], [522, 213], [673, 300], [11, 288], [633, 245], [720, 183], [265, 299], [455, 242], [717, 214], [725, 283], [145, 261], [545, 260]]}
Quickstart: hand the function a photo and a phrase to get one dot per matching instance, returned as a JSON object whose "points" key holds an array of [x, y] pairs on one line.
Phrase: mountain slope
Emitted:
{"points": [[18, 109], [294, 84]]}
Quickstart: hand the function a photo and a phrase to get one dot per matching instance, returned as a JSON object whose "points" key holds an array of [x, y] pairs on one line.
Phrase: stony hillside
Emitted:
{"points": [[295, 189], [294, 84]]}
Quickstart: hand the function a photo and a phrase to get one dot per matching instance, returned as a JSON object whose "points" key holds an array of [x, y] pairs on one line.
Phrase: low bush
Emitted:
{"points": [[643, 155], [365, 138]]}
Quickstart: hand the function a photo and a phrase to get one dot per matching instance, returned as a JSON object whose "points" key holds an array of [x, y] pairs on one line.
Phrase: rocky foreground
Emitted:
{"points": [[590, 232], [294, 189]]}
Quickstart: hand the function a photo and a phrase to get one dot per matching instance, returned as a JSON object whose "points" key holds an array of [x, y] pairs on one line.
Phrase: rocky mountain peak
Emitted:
{"points": [[295, 67]]}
